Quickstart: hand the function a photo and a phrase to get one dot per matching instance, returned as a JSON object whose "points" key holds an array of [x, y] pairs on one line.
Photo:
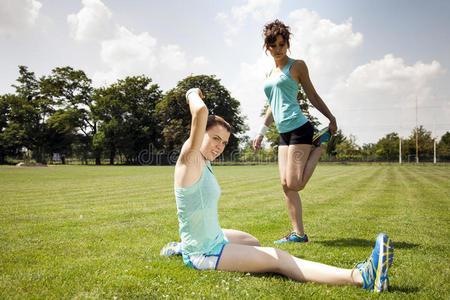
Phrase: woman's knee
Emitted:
{"points": [[250, 240], [284, 185], [278, 257], [240, 237], [292, 185]]}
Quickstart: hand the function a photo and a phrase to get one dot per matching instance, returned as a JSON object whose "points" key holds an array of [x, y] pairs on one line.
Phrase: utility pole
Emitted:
{"points": [[400, 150], [435, 137], [417, 137], [434, 158]]}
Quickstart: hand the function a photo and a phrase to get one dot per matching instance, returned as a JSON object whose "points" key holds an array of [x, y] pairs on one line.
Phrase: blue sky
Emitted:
{"points": [[369, 60]]}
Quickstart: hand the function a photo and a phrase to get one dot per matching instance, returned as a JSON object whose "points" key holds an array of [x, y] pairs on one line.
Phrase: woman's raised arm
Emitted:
{"points": [[199, 114]]}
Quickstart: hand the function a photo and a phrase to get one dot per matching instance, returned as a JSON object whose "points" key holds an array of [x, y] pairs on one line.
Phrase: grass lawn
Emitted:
{"points": [[96, 232]]}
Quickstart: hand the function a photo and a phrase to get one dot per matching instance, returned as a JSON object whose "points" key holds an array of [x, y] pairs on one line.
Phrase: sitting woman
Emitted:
{"points": [[205, 245]]}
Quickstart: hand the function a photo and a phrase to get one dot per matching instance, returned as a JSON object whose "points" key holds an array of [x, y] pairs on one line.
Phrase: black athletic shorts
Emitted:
{"points": [[302, 135]]}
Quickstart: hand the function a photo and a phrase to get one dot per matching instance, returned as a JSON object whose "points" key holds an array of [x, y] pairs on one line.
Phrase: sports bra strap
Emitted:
{"points": [[288, 66]]}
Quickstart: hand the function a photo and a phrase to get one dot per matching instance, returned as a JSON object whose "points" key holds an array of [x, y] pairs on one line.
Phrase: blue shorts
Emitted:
{"points": [[207, 261]]}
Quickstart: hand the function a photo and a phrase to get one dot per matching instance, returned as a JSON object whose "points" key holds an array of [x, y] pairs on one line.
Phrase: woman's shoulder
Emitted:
{"points": [[299, 64], [189, 156], [189, 166], [299, 68]]}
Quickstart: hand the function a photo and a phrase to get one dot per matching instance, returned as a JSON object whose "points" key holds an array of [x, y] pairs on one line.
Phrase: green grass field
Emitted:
{"points": [[96, 232]]}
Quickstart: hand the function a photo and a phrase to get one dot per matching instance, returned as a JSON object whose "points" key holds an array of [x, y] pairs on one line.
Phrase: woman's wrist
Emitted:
{"points": [[263, 129], [193, 90]]}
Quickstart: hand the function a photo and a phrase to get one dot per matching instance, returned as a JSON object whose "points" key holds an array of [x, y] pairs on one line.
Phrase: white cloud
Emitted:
{"points": [[18, 15], [248, 88], [173, 57], [327, 48], [127, 54], [259, 10], [91, 23], [221, 17], [379, 97], [200, 61], [391, 73]]}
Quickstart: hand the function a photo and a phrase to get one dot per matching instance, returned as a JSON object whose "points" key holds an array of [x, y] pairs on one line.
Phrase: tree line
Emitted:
{"points": [[61, 113], [387, 149]]}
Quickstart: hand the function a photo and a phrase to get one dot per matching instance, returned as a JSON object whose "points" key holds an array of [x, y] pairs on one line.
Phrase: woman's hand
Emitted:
{"points": [[333, 126], [257, 142]]}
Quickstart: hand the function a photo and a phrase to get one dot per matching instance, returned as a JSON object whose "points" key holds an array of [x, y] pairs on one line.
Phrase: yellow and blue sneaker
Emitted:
{"points": [[374, 270], [172, 248], [292, 237], [322, 137]]}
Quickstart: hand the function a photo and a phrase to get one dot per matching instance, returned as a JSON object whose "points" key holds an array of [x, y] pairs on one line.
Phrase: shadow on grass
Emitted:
{"points": [[351, 242], [406, 290], [270, 275]]}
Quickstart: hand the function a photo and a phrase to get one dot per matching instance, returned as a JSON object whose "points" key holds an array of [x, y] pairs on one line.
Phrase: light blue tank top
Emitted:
{"points": [[282, 90], [197, 215]]}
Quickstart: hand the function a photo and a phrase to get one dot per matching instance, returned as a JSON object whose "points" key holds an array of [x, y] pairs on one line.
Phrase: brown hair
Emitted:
{"points": [[214, 120], [274, 29]]}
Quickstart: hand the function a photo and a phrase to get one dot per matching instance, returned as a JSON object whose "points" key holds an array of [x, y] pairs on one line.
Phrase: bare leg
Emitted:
{"points": [[241, 258], [294, 206], [292, 197], [311, 163], [300, 165], [240, 237], [296, 165]]}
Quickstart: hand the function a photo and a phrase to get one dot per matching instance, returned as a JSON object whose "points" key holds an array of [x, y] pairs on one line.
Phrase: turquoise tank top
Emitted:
{"points": [[282, 90], [197, 215]]}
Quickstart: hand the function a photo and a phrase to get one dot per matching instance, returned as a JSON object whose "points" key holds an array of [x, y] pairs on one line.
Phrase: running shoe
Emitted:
{"points": [[322, 137], [172, 248], [292, 237], [375, 269]]}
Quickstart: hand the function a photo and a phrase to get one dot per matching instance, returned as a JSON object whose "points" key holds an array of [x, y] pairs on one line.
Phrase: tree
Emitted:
{"points": [[368, 152], [335, 140], [28, 86], [272, 134], [249, 155], [174, 113], [387, 147], [71, 91], [443, 147], [126, 115], [348, 149], [28, 114], [425, 144], [5, 147], [62, 131]]}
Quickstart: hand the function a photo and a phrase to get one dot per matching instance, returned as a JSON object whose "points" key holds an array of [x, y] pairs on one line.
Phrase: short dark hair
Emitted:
{"points": [[214, 120], [274, 29]]}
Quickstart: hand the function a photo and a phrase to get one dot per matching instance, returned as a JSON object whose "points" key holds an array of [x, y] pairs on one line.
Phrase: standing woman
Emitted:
{"points": [[296, 158]]}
